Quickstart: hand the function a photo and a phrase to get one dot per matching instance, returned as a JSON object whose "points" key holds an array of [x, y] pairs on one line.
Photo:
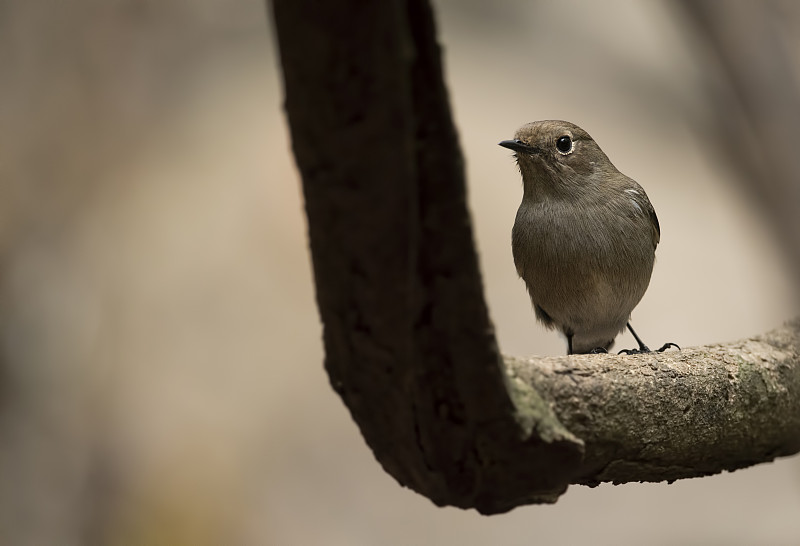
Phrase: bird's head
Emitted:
{"points": [[558, 156]]}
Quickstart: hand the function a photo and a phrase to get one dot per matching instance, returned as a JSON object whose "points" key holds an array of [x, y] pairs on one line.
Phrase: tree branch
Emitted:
{"points": [[408, 341], [674, 415]]}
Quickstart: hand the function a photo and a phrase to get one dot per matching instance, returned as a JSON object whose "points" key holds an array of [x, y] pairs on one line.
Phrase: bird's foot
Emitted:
{"points": [[644, 349], [598, 351]]}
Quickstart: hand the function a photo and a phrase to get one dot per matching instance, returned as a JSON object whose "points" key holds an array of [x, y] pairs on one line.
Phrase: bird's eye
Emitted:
{"points": [[564, 144]]}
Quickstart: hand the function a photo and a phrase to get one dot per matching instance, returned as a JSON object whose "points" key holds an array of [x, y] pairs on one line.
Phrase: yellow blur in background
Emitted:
{"points": [[161, 376]]}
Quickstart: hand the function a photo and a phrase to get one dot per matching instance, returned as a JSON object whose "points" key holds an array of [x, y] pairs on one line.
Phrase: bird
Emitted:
{"points": [[584, 237]]}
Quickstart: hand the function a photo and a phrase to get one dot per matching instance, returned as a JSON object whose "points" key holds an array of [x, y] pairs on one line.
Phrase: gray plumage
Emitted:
{"points": [[585, 234]]}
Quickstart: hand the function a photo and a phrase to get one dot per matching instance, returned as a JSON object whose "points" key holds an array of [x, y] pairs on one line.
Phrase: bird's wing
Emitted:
{"points": [[636, 193], [654, 222]]}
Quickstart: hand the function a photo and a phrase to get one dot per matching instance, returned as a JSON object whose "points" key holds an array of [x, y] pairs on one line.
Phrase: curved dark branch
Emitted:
{"points": [[408, 341]]}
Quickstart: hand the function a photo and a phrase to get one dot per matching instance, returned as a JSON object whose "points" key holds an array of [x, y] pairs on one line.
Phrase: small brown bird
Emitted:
{"points": [[585, 236]]}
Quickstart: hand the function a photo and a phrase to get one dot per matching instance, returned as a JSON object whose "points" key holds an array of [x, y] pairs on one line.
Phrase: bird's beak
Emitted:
{"points": [[518, 146]]}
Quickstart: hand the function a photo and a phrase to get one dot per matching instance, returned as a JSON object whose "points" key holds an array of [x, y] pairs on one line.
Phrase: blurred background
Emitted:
{"points": [[161, 376]]}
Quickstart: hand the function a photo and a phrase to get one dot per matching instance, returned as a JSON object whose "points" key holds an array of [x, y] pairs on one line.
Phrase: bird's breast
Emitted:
{"points": [[577, 259]]}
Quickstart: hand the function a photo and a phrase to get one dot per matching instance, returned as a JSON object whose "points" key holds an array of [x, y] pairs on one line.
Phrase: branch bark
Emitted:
{"points": [[408, 341], [674, 415]]}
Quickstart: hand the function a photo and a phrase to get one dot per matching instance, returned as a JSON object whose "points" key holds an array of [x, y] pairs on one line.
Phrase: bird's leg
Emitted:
{"points": [[595, 351], [642, 347]]}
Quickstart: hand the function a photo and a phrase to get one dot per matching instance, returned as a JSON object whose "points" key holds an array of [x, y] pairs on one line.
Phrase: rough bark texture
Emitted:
{"points": [[409, 344], [656, 417], [408, 341]]}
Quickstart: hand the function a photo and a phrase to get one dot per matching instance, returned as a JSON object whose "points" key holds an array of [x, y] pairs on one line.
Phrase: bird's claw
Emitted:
{"points": [[646, 350], [633, 352]]}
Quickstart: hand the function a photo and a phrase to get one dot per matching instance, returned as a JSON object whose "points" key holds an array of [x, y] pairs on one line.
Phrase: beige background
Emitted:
{"points": [[163, 379]]}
